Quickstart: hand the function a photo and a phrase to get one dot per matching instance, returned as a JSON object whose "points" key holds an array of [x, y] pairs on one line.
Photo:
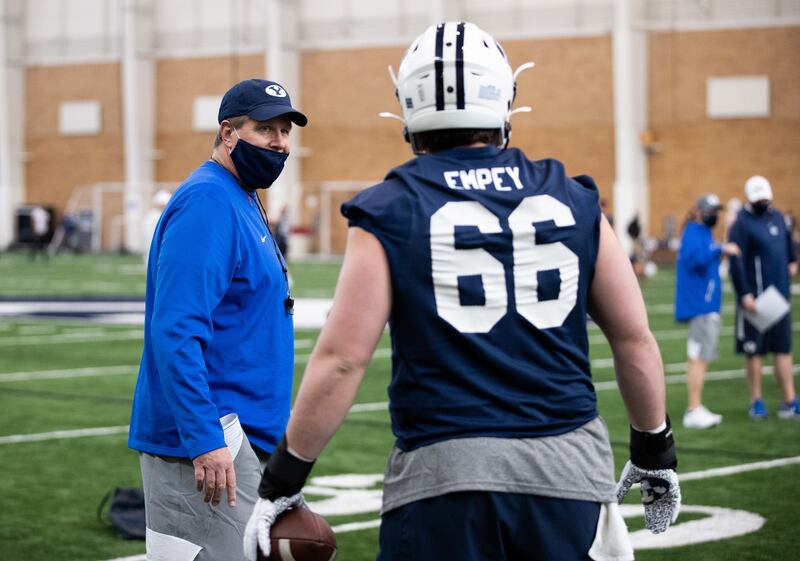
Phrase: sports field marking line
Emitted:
{"points": [[41, 329], [672, 334], [91, 371], [691, 476], [72, 337], [681, 378], [742, 468], [668, 309], [356, 408], [69, 373], [61, 434], [93, 336]]}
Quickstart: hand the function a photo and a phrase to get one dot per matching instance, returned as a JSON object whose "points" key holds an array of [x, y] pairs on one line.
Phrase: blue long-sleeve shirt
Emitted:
{"points": [[698, 288], [217, 337], [767, 250]]}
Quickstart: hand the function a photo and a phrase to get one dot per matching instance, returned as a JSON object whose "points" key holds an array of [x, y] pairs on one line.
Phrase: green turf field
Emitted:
{"points": [[63, 376], [121, 275]]}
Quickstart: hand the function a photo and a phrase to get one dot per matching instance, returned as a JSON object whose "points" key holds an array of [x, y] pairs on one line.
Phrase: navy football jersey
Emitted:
{"points": [[491, 259]]}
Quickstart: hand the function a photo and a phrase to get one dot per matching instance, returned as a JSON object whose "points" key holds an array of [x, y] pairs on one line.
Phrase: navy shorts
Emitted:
{"points": [[750, 341], [481, 526]]}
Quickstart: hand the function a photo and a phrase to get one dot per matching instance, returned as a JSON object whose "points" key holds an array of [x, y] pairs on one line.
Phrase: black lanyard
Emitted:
{"points": [[288, 303]]}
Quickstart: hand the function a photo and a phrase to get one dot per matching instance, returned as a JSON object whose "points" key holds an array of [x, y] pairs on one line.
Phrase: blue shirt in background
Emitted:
{"points": [[217, 337], [698, 289]]}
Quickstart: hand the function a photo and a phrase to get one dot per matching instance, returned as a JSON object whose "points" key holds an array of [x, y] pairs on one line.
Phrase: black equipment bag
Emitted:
{"points": [[126, 513]]}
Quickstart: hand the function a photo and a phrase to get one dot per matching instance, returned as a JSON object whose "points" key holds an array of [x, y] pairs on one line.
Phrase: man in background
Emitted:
{"points": [[151, 218], [215, 381], [40, 228], [698, 300], [485, 264], [768, 259]]}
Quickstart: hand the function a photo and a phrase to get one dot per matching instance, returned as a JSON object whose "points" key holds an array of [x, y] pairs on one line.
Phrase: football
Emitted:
{"points": [[301, 535]]}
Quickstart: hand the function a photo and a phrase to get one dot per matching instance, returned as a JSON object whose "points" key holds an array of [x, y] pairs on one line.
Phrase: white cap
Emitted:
{"points": [[161, 198], [757, 188]]}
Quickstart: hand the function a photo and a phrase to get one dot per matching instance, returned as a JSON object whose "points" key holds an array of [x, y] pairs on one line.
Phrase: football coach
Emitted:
{"points": [[215, 381]]}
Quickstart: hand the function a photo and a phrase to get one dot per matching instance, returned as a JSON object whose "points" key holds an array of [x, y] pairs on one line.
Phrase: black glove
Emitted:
{"points": [[653, 465], [284, 475]]}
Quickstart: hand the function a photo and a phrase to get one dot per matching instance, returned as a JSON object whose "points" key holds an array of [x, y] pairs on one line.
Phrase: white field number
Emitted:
{"points": [[358, 494]]}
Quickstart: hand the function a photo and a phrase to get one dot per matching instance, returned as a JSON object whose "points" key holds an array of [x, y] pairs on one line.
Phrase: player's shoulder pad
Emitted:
{"points": [[375, 201], [587, 182]]}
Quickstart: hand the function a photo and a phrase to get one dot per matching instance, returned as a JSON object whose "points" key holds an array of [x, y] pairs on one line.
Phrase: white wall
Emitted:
{"points": [[69, 31]]}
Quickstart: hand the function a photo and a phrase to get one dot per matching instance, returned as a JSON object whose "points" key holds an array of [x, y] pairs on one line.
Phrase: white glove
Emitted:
{"points": [[661, 494], [265, 512]]}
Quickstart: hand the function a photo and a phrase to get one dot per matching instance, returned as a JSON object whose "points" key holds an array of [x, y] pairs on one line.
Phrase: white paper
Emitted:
{"points": [[163, 547], [771, 306], [232, 429]]}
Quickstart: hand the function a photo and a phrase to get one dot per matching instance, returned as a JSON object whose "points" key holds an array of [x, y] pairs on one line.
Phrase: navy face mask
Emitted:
{"points": [[258, 168], [709, 220], [759, 207]]}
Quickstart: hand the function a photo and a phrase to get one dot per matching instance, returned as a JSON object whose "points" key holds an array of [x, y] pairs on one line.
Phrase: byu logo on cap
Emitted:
{"points": [[275, 90]]}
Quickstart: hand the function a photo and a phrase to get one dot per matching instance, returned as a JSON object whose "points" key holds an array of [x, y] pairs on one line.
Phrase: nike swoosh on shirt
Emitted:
{"points": [[264, 238]]}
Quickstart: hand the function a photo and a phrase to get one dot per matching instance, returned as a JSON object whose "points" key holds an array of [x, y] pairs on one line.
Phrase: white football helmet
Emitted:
{"points": [[456, 76]]}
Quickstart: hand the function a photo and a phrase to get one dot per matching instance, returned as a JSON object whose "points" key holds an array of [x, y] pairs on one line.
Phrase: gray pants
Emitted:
{"points": [[180, 526], [703, 337]]}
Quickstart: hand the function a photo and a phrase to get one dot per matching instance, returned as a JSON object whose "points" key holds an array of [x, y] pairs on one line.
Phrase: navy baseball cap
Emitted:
{"points": [[260, 100], [709, 203]]}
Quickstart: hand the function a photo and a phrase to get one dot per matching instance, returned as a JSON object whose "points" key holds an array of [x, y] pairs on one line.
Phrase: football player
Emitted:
{"points": [[486, 265]]}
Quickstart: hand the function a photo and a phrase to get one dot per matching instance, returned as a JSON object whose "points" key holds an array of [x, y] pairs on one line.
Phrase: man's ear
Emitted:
{"points": [[226, 134]]}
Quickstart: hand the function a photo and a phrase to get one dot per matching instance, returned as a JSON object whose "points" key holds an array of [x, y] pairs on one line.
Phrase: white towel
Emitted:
{"points": [[611, 542]]}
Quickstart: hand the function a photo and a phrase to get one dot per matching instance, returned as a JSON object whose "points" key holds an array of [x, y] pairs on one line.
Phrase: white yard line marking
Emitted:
{"points": [[742, 468], [69, 373], [379, 353], [672, 334], [61, 434], [364, 407], [78, 331], [681, 378], [70, 338], [42, 329], [93, 336], [356, 408], [704, 474], [669, 309], [354, 526]]}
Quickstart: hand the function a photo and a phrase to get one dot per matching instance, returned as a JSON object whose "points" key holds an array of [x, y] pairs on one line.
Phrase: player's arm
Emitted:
{"points": [[360, 310], [792, 253], [744, 291], [359, 314], [616, 304]]}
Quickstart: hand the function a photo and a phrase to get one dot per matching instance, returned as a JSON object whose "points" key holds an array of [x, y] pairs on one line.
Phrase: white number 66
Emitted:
{"points": [[449, 263]]}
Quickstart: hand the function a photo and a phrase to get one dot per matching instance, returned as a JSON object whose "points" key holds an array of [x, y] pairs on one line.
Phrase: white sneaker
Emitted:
{"points": [[700, 418]]}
